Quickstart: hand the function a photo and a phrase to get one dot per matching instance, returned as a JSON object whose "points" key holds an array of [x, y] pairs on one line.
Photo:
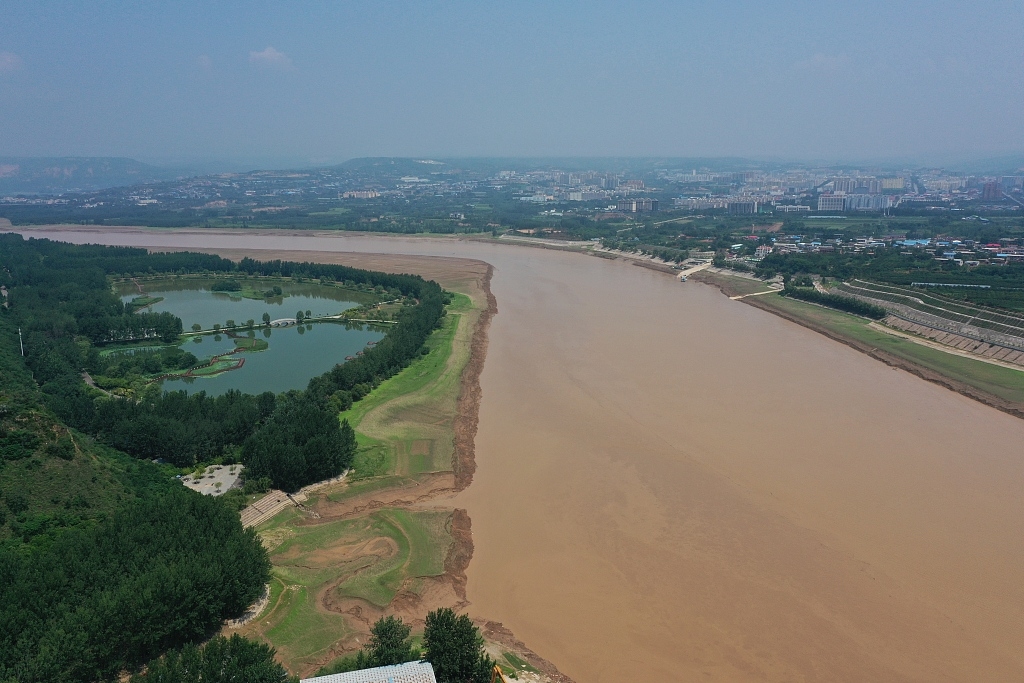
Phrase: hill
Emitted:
{"points": [[56, 175], [52, 478]]}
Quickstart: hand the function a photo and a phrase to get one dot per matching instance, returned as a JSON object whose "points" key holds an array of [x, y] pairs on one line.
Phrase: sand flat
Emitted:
{"points": [[674, 486]]}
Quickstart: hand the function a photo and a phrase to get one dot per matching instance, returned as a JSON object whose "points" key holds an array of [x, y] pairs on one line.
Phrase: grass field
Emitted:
{"points": [[736, 285], [222, 365], [1002, 382], [404, 426], [321, 571]]}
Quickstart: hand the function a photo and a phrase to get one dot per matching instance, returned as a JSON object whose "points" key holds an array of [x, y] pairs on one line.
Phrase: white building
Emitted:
{"points": [[410, 672]]}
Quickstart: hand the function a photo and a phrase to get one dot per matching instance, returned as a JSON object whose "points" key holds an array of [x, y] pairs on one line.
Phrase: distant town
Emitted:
{"points": [[662, 208], [635, 188]]}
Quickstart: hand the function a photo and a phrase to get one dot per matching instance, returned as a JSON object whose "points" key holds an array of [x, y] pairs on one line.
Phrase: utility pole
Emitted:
{"points": [[21, 341]]}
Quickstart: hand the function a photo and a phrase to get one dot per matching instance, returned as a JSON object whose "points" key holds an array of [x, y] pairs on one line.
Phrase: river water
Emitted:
{"points": [[675, 486]]}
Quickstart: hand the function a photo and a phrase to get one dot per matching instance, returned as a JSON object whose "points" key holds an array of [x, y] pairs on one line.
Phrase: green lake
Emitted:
{"points": [[295, 354]]}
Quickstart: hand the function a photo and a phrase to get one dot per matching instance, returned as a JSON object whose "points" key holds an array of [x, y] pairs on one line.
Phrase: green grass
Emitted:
{"points": [[996, 380], [218, 367], [307, 631], [519, 664], [369, 485], [251, 343], [734, 284], [148, 345], [345, 559], [406, 408]]}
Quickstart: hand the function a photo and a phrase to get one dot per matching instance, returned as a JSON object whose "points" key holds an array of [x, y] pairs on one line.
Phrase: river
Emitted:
{"points": [[675, 486]]}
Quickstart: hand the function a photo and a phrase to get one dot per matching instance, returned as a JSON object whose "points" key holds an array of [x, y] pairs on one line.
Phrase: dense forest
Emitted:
{"points": [[221, 660], [105, 561], [161, 572]]}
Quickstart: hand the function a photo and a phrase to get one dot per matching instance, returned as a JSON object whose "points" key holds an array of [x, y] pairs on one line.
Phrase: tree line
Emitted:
{"points": [[836, 301]]}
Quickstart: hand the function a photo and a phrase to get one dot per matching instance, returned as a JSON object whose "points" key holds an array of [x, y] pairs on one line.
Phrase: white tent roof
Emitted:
{"points": [[411, 672]]}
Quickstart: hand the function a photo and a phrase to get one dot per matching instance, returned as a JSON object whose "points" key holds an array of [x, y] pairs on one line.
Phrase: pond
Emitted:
{"points": [[294, 354]]}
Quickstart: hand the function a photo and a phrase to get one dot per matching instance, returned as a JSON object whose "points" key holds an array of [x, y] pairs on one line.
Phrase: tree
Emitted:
{"points": [[196, 327], [308, 314], [455, 648], [230, 323], [390, 643], [266, 318], [221, 660], [250, 323], [216, 327], [299, 316]]}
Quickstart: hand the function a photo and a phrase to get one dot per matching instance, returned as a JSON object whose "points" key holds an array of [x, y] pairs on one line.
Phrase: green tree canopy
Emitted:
{"points": [[390, 643], [222, 660], [455, 648]]}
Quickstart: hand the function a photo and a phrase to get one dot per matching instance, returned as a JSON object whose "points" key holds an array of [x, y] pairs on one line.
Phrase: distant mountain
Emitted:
{"points": [[390, 166], [54, 175]]}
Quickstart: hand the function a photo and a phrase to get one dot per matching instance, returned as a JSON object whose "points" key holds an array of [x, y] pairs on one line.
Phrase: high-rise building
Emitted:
{"points": [[868, 202], [832, 202], [870, 185], [844, 184], [991, 190], [742, 208], [637, 205]]}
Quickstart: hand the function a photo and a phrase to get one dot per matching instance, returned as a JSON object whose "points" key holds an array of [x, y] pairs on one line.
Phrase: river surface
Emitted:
{"points": [[673, 486]]}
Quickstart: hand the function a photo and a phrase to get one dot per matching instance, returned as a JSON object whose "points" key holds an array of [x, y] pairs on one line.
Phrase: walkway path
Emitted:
{"points": [[743, 296]]}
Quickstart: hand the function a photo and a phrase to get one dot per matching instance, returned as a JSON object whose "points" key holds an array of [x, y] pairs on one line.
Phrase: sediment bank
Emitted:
{"points": [[468, 417]]}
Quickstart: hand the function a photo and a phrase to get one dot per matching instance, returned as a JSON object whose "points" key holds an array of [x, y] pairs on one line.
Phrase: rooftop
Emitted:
{"points": [[411, 672]]}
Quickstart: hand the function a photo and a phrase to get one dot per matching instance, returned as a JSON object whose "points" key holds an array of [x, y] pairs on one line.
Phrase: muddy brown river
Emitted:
{"points": [[673, 486]]}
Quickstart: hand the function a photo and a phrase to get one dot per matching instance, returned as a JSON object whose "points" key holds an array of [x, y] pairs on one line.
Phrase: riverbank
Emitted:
{"points": [[994, 385], [671, 486]]}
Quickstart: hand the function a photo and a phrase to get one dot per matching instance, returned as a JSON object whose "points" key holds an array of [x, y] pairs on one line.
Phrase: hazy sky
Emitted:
{"points": [[285, 82]]}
